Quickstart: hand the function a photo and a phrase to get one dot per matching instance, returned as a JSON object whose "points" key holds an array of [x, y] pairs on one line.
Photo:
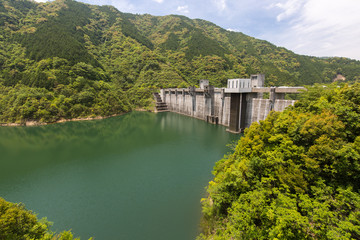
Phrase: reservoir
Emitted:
{"points": [[133, 177]]}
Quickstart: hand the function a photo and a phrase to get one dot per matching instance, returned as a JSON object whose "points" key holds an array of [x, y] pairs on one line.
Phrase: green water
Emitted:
{"points": [[132, 177]]}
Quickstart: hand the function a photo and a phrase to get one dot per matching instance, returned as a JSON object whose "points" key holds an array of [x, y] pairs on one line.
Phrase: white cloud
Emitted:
{"points": [[320, 27], [311, 27], [220, 4], [183, 9], [289, 8], [123, 5]]}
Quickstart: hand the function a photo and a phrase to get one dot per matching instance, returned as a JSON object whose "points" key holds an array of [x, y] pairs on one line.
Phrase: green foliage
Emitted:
{"points": [[294, 175], [75, 95], [129, 30], [172, 42], [18, 223], [61, 36], [66, 48], [200, 45]]}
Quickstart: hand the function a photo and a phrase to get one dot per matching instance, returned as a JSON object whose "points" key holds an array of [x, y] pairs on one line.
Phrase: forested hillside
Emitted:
{"points": [[65, 59], [295, 175]]}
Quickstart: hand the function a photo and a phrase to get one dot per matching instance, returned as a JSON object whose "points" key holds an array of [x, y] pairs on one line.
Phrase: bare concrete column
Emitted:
{"points": [[243, 110], [222, 105], [193, 95], [183, 105], [209, 100], [170, 105], [212, 93], [234, 112], [272, 98], [162, 94]]}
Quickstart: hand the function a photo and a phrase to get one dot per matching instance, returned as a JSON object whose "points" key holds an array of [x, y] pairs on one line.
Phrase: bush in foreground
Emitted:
{"points": [[18, 223]]}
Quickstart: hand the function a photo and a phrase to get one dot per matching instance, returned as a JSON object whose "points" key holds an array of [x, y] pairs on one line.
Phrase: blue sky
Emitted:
{"points": [[310, 27]]}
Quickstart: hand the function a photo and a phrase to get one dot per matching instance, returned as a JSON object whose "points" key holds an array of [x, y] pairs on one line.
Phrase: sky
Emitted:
{"points": [[322, 28]]}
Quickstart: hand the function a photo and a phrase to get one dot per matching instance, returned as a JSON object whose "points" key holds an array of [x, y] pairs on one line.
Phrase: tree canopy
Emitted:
{"points": [[295, 175], [18, 223]]}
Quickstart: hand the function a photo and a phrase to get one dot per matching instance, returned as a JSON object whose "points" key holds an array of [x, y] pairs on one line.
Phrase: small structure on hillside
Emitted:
{"points": [[339, 77]]}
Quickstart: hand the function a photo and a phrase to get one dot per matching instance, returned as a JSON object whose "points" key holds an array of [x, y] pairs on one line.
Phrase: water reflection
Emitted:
{"points": [[136, 176]]}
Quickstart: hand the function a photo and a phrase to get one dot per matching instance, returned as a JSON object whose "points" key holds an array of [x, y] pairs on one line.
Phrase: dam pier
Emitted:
{"points": [[236, 106]]}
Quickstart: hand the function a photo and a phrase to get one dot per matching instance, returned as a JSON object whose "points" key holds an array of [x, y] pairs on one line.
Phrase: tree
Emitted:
{"points": [[18, 223], [294, 175]]}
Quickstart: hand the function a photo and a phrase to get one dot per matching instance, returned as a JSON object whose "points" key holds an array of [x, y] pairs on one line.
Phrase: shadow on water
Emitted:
{"points": [[136, 176]]}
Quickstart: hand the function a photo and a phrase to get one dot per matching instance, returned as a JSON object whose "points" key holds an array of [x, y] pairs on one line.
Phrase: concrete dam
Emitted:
{"points": [[236, 106]]}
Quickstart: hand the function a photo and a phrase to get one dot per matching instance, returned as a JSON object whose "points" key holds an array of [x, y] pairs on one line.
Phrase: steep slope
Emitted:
{"points": [[69, 49]]}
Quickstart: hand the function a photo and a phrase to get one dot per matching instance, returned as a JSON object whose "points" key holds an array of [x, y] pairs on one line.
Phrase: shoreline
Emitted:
{"points": [[62, 120]]}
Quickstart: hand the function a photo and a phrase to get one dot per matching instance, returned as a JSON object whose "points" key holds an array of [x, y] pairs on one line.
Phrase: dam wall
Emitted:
{"points": [[216, 108], [237, 106], [198, 104]]}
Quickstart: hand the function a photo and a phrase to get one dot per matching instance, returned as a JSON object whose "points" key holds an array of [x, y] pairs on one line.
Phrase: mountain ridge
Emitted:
{"points": [[68, 47]]}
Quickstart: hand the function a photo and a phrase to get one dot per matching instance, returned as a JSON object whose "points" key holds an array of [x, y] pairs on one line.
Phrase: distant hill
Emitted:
{"points": [[69, 45]]}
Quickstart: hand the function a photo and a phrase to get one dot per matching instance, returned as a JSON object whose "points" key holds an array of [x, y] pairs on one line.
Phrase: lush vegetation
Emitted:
{"points": [[65, 59], [295, 175], [18, 223]]}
